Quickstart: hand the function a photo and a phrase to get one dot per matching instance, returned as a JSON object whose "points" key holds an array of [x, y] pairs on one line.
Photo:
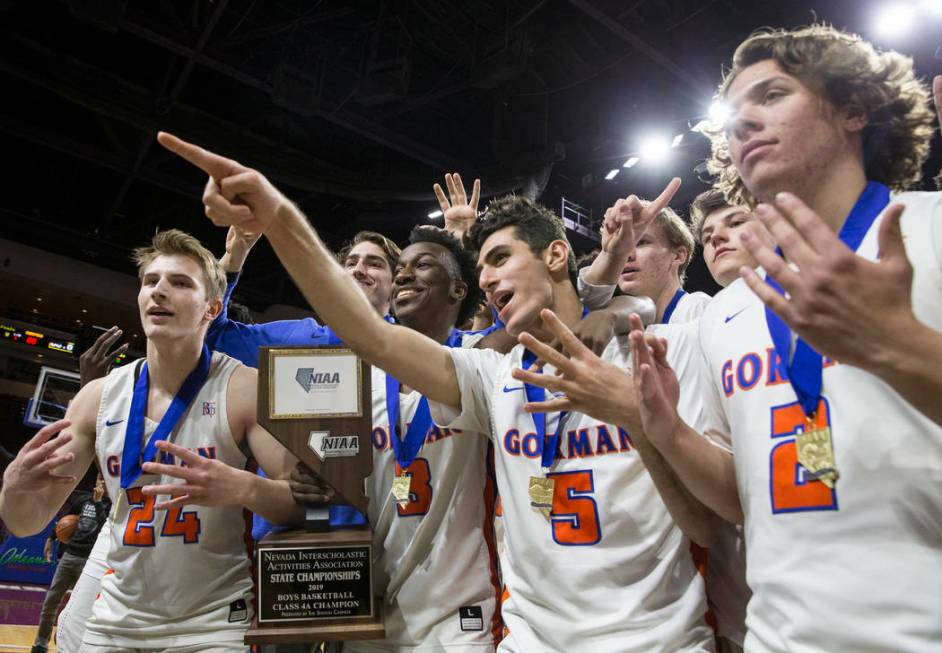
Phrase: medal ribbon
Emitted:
{"points": [[407, 448], [669, 311], [805, 369], [536, 393], [131, 457]]}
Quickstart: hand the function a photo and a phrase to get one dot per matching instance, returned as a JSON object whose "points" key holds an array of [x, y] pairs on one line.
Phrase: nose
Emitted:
{"points": [[743, 121], [404, 274], [359, 270], [718, 236], [487, 279]]}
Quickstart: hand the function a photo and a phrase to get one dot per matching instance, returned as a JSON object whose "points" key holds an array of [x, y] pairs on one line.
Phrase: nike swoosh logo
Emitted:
{"points": [[108, 422], [519, 387], [730, 317]]}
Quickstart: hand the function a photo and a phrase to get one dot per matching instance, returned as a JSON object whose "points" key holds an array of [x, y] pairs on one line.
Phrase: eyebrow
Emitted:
{"points": [[489, 256], [370, 258], [758, 88]]}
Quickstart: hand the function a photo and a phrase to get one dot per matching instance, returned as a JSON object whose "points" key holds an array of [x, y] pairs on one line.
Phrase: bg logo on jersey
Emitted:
{"points": [[317, 380]]}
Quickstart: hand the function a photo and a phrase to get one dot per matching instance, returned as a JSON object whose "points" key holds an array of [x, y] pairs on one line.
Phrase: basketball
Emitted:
{"points": [[65, 527]]}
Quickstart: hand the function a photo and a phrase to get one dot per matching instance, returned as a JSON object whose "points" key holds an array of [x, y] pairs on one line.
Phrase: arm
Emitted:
{"points": [[414, 359], [846, 307], [238, 245], [706, 470], [459, 212], [47, 468], [598, 388], [622, 228]]}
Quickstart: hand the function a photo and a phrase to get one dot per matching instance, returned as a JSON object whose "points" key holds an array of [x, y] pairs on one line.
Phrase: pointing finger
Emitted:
{"points": [[212, 164]]}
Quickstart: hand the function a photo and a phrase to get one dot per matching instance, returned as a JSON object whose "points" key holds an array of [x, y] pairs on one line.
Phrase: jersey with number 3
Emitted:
{"points": [[433, 556], [179, 577], [857, 567], [608, 570]]}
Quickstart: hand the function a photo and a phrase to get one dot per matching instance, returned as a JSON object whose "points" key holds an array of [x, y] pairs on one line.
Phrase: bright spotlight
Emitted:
{"points": [[631, 162], [932, 7], [655, 149], [677, 140], [612, 174], [435, 214], [895, 20], [718, 113]]}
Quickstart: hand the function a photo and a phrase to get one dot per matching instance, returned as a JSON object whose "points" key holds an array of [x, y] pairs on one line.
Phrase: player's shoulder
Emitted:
{"points": [[919, 203]]}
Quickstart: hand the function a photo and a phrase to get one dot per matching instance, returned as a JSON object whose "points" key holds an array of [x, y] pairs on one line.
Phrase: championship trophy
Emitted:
{"points": [[316, 586]]}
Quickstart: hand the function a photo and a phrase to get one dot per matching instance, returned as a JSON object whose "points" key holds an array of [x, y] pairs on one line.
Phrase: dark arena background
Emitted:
{"points": [[354, 110]]}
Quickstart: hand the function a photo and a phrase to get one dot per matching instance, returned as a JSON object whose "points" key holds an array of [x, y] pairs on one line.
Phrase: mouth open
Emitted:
{"points": [[501, 300]]}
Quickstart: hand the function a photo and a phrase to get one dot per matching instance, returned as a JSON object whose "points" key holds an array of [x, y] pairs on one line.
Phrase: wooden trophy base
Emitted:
{"points": [[315, 587]]}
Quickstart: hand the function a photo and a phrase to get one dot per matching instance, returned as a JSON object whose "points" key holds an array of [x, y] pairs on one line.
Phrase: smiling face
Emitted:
{"points": [[782, 135], [425, 284], [367, 264], [652, 266], [173, 301], [723, 251], [516, 281]]}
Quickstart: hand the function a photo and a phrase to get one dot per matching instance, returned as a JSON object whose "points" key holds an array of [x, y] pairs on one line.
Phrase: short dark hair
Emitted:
{"points": [[533, 223], [390, 249], [465, 265], [703, 205]]}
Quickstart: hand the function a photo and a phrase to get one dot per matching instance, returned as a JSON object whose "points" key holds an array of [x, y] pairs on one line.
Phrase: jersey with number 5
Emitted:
{"points": [[857, 567], [177, 577], [608, 570]]}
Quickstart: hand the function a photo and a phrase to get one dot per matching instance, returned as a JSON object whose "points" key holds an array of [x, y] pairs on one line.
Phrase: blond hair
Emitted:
{"points": [[173, 242], [678, 234], [849, 73]]}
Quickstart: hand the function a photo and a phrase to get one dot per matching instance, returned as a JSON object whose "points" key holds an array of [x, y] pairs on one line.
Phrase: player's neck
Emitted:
{"points": [[436, 325], [833, 196], [663, 299], [567, 307], [169, 362]]}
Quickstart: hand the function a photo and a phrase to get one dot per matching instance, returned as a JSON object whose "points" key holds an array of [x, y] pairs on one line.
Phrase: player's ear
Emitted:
{"points": [[556, 257], [459, 290], [213, 310]]}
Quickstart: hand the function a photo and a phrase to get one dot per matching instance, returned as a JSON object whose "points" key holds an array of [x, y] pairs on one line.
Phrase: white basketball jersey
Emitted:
{"points": [[690, 307], [179, 577], [434, 556], [859, 567], [609, 570]]}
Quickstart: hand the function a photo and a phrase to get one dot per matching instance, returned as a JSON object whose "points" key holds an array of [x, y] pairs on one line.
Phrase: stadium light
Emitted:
{"points": [[718, 113], [631, 162], [655, 149], [435, 214], [895, 19], [612, 174]]}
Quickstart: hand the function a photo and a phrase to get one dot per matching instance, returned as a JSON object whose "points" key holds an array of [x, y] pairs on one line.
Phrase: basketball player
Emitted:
{"points": [[656, 268], [601, 536], [835, 460], [718, 226], [180, 578]]}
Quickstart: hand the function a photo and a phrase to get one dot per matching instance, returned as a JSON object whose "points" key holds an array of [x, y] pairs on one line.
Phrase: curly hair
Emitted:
{"points": [[464, 269], [848, 72], [533, 223], [703, 205]]}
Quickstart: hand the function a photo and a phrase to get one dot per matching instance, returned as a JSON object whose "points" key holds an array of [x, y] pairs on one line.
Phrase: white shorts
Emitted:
{"points": [[78, 609], [197, 648]]}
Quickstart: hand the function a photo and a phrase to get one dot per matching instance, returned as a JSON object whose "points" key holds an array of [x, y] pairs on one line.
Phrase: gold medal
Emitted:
{"points": [[816, 454], [541, 494], [400, 489]]}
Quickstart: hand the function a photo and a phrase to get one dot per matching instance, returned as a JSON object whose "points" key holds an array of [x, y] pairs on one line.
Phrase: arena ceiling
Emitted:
{"points": [[356, 108]]}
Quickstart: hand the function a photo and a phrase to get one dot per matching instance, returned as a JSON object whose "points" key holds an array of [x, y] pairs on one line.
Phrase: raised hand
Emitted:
{"points": [[206, 482], [307, 488], [844, 306], [35, 466], [239, 243], [459, 212], [628, 218], [95, 362], [234, 195], [583, 382], [656, 387]]}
